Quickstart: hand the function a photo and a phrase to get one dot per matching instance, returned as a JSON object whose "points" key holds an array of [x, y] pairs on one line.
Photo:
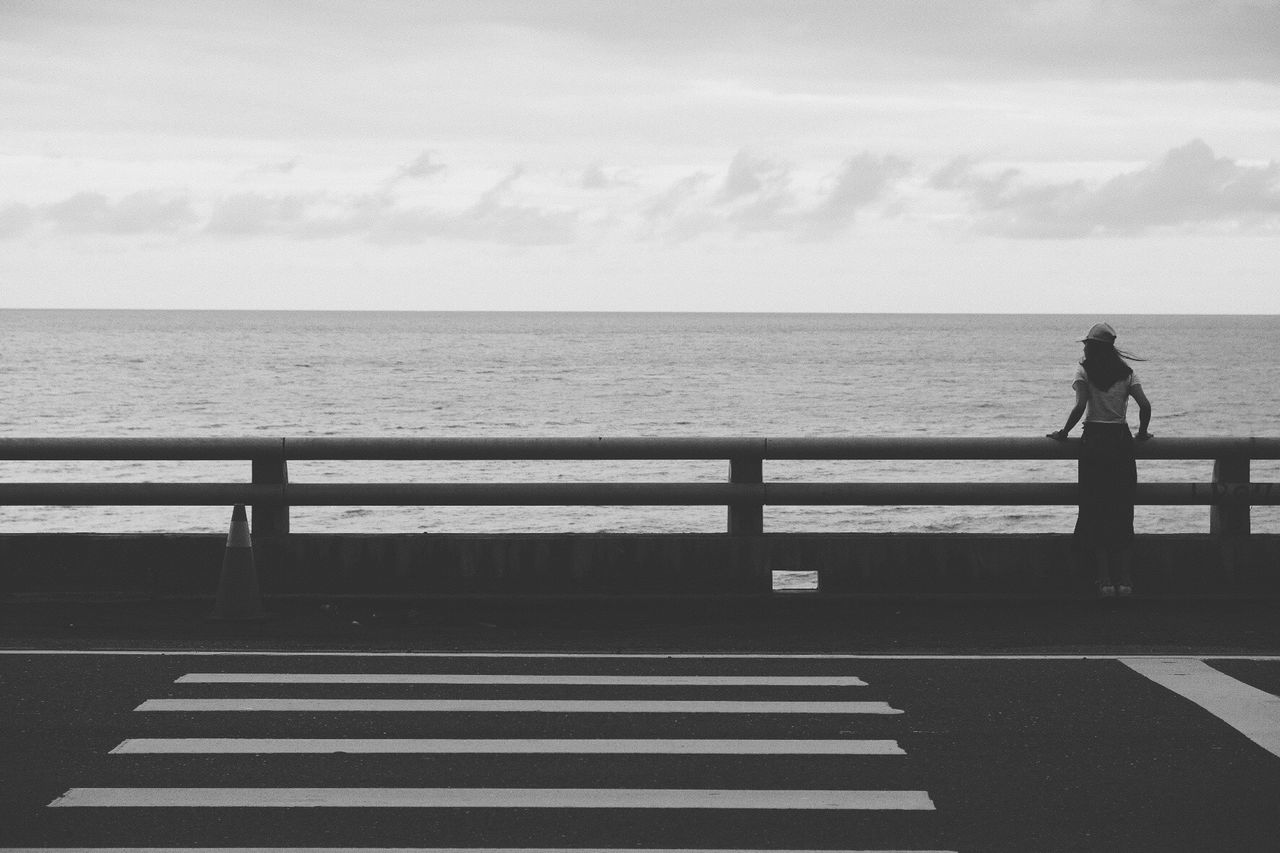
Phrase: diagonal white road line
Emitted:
{"points": [[1253, 712]]}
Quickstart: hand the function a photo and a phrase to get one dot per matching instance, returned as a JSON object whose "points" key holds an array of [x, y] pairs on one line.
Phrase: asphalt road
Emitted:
{"points": [[783, 623], [1010, 754]]}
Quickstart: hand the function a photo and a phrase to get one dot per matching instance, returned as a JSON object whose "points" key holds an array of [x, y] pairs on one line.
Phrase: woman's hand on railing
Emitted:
{"points": [[1058, 435]]}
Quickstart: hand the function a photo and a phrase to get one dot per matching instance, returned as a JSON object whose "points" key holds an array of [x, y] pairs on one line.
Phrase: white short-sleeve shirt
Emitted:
{"points": [[1109, 406]]}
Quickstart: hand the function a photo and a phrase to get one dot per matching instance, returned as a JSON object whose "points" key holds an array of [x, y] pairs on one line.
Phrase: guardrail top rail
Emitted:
{"points": [[609, 447], [745, 494]]}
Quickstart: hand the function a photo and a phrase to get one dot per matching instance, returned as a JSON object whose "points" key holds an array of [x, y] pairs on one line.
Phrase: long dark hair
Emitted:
{"points": [[1105, 365]]}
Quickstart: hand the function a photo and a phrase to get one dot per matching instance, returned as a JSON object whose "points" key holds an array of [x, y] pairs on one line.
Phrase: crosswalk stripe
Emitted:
{"points": [[528, 798], [563, 706], [648, 746], [592, 680]]}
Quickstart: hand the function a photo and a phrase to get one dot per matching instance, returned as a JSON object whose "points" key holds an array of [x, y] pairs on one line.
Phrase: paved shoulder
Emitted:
{"points": [[639, 752]]}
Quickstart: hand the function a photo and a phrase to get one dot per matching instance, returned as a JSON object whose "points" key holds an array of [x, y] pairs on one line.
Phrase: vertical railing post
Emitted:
{"points": [[272, 470], [746, 519], [1230, 477]]}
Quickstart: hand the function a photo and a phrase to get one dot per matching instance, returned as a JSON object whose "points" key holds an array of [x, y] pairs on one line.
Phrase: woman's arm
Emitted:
{"points": [[1077, 412], [1144, 412]]}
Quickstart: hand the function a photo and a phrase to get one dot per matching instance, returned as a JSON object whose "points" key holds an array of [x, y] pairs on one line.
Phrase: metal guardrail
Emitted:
{"points": [[1229, 495]]}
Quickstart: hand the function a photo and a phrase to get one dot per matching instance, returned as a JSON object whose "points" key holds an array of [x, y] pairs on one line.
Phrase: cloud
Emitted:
{"points": [[496, 217], [497, 214], [759, 188], [671, 201], [758, 194], [377, 215], [953, 175], [298, 215], [493, 197], [595, 178], [493, 218], [137, 213], [256, 213], [282, 167], [749, 175], [1190, 186], [525, 225], [422, 167], [16, 218], [864, 179], [514, 225]]}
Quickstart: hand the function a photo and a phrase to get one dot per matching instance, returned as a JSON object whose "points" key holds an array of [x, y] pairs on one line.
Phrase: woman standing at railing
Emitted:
{"points": [[1103, 383]]}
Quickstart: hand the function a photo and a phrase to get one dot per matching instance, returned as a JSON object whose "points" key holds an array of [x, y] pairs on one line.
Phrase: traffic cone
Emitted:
{"points": [[238, 595]]}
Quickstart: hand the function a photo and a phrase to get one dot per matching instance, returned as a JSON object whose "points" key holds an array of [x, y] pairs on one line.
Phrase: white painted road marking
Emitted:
{"points": [[519, 798], [1252, 712], [591, 680], [593, 849], [653, 746], [558, 706], [178, 653]]}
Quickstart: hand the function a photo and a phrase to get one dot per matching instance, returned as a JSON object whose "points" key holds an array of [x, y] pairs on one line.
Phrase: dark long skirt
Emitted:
{"points": [[1108, 481]]}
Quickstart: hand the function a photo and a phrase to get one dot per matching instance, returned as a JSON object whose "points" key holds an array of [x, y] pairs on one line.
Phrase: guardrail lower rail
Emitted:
{"points": [[1229, 495]]}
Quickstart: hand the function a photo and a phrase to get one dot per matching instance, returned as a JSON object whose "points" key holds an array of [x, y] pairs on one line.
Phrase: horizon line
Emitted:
{"points": [[638, 311]]}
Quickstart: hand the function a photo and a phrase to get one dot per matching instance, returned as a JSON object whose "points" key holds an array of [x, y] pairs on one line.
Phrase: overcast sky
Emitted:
{"points": [[978, 155]]}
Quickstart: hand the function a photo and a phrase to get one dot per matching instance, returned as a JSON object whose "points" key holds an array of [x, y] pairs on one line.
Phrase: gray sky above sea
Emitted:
{"points": [[1062, 156]]}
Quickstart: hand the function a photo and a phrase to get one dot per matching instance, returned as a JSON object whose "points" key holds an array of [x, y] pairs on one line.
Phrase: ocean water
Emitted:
{"points": [[191, 373]]}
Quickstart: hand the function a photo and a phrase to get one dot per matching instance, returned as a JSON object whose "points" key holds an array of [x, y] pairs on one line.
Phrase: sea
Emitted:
{"points": [[288, 374]]}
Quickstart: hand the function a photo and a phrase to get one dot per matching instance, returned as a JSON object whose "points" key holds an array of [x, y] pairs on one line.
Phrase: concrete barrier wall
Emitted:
{"points": [[160, 565]]}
